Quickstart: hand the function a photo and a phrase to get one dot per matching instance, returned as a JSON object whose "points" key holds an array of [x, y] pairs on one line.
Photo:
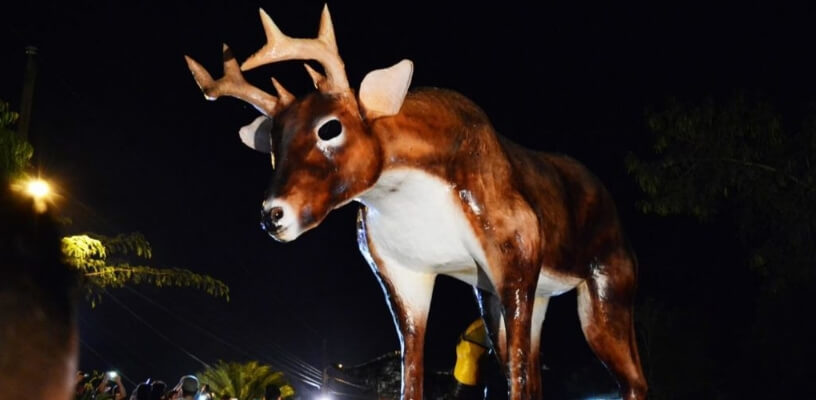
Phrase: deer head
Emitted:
{"points": [[326, 152]]}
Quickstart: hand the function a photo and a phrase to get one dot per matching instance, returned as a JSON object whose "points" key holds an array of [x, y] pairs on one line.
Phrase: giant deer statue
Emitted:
{"points": [[440, 192]]}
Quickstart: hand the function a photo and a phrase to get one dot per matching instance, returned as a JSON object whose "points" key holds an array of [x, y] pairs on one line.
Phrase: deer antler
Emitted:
{"points": [[233, 84], [322, 49]]}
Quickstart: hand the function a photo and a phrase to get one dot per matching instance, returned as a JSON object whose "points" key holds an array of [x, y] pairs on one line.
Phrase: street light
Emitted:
{"points": [[38, 189]]}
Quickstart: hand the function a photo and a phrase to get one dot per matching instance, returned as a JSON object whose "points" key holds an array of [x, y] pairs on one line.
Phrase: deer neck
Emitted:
{"points": [[434, 130], [432, 152]]}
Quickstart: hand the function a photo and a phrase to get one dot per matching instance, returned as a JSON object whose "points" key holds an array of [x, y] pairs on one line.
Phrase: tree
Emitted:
{"points": [[244, 381], [104, 261], [737, 159], [743, 165], [15, 152]]}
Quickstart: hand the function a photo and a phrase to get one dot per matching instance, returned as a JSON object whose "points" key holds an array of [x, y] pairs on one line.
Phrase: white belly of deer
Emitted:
{"points": [[415, 221]]}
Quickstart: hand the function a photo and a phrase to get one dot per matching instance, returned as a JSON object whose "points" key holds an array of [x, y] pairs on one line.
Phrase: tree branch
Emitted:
{"points": [[764, 167]]}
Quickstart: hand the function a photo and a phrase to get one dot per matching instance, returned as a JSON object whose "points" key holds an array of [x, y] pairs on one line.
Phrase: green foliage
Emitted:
{"points": [[709, 153], [245, 381], [15, 152], [746, 170], [104, 262], [130, 243], [737, 160]]}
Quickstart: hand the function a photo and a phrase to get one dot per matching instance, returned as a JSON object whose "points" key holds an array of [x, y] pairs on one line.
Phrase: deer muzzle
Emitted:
{"points": [[279, 220]]}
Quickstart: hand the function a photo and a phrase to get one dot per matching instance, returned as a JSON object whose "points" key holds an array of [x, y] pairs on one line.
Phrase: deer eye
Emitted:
{"points": [[330, 129]]}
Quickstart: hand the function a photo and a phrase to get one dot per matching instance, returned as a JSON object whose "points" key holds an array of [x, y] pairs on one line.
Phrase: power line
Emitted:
{"points": [[296, 366], [99, 356], [121, 346], [288, 357], [354, 396], [297, 317], [309, 368], [156, 331]]}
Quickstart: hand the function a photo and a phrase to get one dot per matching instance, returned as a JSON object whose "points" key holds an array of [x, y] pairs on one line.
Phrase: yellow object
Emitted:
{"points": [[287, 391], [470, 349]]}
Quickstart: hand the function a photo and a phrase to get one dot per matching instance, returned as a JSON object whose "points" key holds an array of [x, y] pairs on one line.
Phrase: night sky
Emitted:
{"points": [[120, 124]]}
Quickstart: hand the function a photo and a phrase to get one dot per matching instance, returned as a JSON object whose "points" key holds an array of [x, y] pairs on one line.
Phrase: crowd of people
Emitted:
{"points": [[109, 386]]}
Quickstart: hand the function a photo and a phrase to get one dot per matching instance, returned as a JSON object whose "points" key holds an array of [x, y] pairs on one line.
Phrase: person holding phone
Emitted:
{"points": [[112, 385]]}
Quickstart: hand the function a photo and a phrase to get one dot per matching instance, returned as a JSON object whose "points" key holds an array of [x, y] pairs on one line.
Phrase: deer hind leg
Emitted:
{"points": [[605, 302]]}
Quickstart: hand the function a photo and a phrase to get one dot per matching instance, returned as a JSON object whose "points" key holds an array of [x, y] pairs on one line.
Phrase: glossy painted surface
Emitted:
{"points": [[443, 193], [452, 197]]}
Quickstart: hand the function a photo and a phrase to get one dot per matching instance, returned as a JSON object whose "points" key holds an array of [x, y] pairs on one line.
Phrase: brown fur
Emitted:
{"points": [[541, 212]]}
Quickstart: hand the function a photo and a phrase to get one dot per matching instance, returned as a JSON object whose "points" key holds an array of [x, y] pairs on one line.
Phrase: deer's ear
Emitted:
{"points": [[383, 90], [258, 134]]}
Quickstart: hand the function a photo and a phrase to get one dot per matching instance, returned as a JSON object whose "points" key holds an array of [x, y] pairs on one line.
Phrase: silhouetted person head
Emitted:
{"points": [[272, 392], [38, 332], [142, 392], [157, 389], [189, 386]]}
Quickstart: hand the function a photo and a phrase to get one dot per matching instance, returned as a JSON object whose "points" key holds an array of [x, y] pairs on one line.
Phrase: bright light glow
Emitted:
{"points": [[38, 189], [323, 397], [611, 396]]}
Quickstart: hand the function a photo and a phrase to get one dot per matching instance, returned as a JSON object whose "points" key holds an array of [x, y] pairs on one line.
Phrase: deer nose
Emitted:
{"points": [[275, 214], [270, 219]]}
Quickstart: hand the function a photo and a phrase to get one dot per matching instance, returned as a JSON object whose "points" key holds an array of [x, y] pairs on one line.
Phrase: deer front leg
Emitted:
{"points": [[408, 293], [492, 313], [517, 298], [509, 316], [409, 297]]}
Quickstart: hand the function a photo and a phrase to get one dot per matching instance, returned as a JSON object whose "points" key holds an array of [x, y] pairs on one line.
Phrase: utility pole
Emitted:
{"points": [[28, 92]]}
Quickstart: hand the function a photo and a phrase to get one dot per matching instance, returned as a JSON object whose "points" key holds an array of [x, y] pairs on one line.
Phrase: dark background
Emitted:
{"points": [[120, 125]]}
